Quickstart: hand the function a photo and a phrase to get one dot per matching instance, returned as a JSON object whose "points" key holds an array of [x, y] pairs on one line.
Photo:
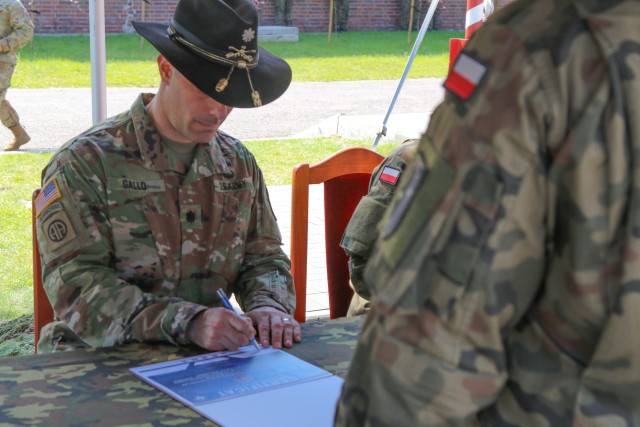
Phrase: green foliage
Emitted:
{"points": [[64, 61], [16, 336]]}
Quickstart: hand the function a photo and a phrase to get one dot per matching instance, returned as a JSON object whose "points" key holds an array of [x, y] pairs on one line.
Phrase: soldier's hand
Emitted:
{"points": [[275, 327], [220, 329]]}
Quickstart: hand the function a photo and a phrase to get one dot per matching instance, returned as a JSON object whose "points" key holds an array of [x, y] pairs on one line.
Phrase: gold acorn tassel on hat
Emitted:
{"points": [[224, 82], [255, 95]]}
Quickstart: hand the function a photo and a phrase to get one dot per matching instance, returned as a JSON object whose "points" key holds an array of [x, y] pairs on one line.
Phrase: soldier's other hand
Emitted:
{"points": [[220, 329], [275, 327]]}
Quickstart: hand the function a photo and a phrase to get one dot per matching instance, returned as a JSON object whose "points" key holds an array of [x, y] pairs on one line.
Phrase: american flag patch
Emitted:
{"points": [[48, 195], [390, 175], [465, 76]]}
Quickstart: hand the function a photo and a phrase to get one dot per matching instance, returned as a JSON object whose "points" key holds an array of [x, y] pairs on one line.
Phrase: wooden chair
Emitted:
{"points": [[345, 175], [42, 310]]}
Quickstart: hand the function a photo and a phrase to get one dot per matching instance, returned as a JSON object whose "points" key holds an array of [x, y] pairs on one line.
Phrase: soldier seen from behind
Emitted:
{"points": [[506, 275], [143, 217]]}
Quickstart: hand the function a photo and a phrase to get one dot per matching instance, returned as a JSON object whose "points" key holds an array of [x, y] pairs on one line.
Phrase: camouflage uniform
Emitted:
{"points": [[283, 12], [16, 30], [342, 15], [134, 243], [405, 13], [362, 230], [507, 280]]}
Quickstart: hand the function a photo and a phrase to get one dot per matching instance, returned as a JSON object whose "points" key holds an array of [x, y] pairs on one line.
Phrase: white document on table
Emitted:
{"points": [[247, 388]]}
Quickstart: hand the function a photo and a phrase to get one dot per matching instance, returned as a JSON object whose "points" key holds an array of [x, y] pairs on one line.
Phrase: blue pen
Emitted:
{"points": [[228, 306]]}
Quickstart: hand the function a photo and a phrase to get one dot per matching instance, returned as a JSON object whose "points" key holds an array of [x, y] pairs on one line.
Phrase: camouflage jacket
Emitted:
{"points": [[362, 230], [134, 244], [507, 279], [16, 29]]}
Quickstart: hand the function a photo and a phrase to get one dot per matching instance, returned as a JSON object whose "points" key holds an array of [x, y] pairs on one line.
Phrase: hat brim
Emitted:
{"points": [[271, 77]]}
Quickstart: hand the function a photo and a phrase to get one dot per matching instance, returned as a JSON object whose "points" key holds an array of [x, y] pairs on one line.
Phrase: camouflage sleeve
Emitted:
{"points": [[74, 237], [21, 28], [362, 230], [460, 254], [264, 278]]}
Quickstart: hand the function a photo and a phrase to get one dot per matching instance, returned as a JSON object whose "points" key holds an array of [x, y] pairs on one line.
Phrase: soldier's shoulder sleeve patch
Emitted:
{"points": [[390, 175], [57, 229], [465, 76], [49, 194]]}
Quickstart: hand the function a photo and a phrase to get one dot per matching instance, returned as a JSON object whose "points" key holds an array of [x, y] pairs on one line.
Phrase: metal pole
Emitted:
{"points": [[330, 21], [98, 61], [410, 26], [142, 13], [414, 51]]}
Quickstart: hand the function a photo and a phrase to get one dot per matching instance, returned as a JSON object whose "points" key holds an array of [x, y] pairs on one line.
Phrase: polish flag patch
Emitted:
{"points": [[390, 175], [465, 76]]}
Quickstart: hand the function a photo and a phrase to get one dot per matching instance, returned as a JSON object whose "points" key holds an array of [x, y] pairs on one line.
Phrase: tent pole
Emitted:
{"points": [[414, 51]]}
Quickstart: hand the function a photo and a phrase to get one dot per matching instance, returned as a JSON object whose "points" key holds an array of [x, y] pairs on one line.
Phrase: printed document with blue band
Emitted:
{"points": [[248, 387]]}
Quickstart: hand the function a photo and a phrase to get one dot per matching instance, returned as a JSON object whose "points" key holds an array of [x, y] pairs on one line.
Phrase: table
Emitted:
{"points": [[94, 387]]}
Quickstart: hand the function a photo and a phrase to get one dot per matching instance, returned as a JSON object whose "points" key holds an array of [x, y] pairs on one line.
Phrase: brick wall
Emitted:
{"points": [[68, 17]]}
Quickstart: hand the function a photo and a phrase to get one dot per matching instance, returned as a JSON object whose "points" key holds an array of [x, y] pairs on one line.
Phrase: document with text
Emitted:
{"points": [[248, 387]]}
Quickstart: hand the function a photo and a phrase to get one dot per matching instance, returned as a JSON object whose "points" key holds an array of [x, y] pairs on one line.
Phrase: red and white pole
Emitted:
{"points": [[473, 21]]}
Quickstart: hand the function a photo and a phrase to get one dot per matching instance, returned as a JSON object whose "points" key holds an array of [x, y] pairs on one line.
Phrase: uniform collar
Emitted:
{"points": [[209, 158]]}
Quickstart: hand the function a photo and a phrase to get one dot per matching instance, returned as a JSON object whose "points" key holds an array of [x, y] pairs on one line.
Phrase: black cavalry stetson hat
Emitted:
{"points": [[214, 44]]}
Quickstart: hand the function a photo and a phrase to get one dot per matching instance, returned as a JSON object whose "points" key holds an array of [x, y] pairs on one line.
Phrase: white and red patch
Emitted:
{"points": [[466, 74], [389, 175]]}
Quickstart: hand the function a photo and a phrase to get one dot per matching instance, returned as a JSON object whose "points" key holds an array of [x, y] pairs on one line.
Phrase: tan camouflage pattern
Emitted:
{"points": [[138, 243], [362, 230], [507, 279], [94, 387], [16, 30]]}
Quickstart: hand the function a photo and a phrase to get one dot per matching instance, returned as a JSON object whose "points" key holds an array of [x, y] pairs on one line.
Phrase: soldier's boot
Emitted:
{"points": [[20, 137]]}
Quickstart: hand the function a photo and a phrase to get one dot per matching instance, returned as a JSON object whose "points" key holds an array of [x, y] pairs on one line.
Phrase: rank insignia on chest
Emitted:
{"points": [[49, 194], [465, 76], [389, 175]]}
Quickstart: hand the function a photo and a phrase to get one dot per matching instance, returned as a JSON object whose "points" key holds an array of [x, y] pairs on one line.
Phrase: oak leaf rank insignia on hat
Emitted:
{"points": [[214, 44]]}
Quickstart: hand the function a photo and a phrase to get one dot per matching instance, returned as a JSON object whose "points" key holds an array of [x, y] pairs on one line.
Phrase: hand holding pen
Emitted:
{"points": [[228, 306]]}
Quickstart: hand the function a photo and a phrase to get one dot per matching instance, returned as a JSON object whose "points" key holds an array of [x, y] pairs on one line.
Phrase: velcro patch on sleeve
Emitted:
{"points": [[465, 76], [390, 175], [49, 194], [58, 230]]}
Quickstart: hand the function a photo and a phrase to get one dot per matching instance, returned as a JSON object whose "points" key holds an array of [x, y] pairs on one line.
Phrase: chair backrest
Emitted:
{"points": [[346, 176], [42, 310]]}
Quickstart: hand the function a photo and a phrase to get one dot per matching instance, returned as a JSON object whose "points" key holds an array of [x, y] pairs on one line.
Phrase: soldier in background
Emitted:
{"points": [[405, 13], [16, 30], [143, 217], [283, 12], [362, 230], [342, 15], [505, 278]]}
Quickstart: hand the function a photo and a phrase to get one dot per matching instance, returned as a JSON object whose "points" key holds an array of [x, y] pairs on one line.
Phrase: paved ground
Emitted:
{"points": [[351, 109], [52, 116]]}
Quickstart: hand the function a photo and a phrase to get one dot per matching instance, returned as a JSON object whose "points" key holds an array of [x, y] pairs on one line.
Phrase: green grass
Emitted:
{"points": [[63, 61], [20, 175]]}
